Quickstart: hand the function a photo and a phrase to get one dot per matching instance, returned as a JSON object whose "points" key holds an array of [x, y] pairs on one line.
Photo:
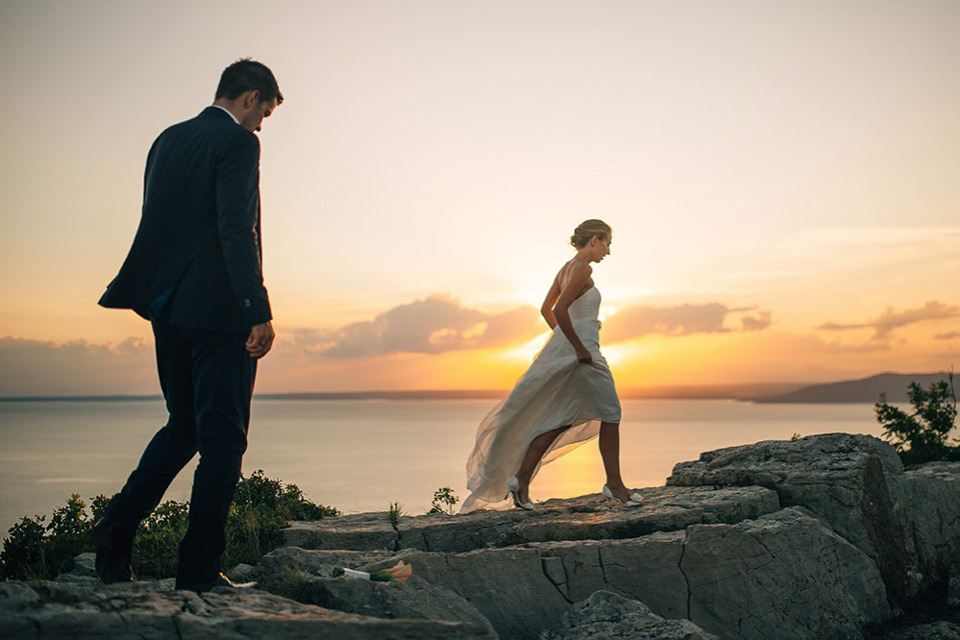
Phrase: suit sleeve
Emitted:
{"points": [[238, 223]]}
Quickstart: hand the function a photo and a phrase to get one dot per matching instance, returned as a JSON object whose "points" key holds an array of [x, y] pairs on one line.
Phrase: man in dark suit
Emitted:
{"points": [[194, 271]]}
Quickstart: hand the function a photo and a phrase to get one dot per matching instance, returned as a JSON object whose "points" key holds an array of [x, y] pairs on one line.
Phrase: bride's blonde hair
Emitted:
{"points": [[587, 229]]}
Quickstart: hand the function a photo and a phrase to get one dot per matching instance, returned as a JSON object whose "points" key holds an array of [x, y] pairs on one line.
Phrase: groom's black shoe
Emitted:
{"points": [[114, 547], [219, 581]]}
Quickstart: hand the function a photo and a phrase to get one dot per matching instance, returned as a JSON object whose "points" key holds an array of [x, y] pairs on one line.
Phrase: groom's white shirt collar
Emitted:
{"points": [[227, 112]]}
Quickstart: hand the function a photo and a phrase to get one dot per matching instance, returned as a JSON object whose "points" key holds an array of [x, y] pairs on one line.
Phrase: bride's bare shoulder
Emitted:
{"points": [[571, 270]]}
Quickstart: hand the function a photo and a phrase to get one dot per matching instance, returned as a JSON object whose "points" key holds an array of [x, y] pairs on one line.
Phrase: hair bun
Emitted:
{"points": [[587, 229]]}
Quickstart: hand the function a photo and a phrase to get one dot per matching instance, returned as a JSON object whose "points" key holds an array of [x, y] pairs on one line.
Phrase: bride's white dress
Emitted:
{"points": [[555, 391]]}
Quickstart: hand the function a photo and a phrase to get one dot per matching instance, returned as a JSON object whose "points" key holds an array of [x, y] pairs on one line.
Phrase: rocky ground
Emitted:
{"points": [[824, 537]]}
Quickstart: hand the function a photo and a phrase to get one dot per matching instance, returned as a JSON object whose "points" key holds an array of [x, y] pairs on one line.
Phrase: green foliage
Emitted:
{"points": [[394, 511], [36, 552], [24, 552], [295, 585], [98, 505], [443, 501], [158, 538], [921, 436], [261, 508], [70, 526]]}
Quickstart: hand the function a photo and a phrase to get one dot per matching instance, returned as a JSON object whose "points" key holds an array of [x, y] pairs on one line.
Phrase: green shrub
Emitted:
{"points": [[261, 508], [921, 436], [158, 538], [394, 513], [35, 551], [24, 552], [443, 500], [70, 526]]}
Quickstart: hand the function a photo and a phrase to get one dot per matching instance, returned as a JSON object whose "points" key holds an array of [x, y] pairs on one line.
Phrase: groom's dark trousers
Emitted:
{"points": [[207, 379], [194, 271]]}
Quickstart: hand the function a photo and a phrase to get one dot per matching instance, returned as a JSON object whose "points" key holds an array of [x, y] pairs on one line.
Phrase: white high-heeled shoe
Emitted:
{"points": [[635, 498], [513, 489]]}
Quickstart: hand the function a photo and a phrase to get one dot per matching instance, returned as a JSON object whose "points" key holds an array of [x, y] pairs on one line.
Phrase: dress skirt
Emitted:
{"points": [[556, 391]]}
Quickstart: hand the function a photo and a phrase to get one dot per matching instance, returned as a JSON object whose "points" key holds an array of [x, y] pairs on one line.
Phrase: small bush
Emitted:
{"points": [[24, 552], [921, 436], [443, 501], [394, 511], [261, 508], [158, 538], [36, 552]]}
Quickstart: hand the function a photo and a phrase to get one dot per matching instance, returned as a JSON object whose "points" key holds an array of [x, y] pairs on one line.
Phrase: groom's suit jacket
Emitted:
{"points": [[197, 250]]}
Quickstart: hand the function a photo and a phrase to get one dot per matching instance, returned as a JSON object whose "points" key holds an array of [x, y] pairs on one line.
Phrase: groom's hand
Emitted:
{"points": [[260, 340]]}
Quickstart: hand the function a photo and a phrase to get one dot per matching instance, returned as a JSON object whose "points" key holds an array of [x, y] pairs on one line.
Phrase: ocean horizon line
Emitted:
{"points": [[663, 392]]}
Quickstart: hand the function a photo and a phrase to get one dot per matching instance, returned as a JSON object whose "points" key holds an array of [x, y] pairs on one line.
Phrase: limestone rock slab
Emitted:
{"points": [[854, 482], [931, 498], [605, 615], [305, 575], [783, 575], [508, 586], [51, 609], [940, 630], [586, 518], [782, 572], [352, 532]]}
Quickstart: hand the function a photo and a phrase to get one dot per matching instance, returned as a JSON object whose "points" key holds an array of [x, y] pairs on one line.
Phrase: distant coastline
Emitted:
{"points": [[893, 386], [864, 390], [678, 392]]}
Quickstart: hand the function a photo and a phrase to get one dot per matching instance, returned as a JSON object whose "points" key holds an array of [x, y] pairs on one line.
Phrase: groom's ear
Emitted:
{"points": [[251, 98]]}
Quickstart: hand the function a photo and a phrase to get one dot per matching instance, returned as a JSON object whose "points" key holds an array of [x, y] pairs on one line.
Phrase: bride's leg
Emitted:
{"points": [[610, 452], [538, 447]]}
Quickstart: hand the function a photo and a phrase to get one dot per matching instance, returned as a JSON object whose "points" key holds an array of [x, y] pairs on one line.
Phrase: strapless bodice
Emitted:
{"points": [[586, 308]]}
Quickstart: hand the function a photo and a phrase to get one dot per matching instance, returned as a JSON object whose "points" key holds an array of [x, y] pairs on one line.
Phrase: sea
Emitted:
{"points": [[363, 455]]}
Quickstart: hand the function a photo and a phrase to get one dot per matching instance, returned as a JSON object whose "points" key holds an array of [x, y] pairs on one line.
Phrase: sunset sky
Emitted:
{"points": [[783, 180]]}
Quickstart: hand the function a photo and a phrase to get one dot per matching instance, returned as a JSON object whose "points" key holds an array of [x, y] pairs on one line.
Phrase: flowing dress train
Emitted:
{"points": [[555, 391]]}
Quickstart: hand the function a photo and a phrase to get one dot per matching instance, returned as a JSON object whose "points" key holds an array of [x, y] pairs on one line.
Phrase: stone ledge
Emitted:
{"points": [[50, 609], [908, 521], [607, 615], [585, 518], [783, 570]]}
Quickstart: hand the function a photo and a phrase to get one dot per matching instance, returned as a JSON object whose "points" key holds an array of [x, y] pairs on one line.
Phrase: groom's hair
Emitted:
{"points": [[246, 75]]}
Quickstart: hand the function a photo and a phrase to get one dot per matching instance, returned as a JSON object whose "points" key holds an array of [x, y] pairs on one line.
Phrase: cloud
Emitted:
{"points": [[686, 319], [34, 367], [758, 323], [890, 320], [434, 325], [952, 335]]}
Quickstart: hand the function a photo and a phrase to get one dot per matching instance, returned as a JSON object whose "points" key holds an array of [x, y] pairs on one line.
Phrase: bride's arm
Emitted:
{"points": [[546, 309], [579, 275]]}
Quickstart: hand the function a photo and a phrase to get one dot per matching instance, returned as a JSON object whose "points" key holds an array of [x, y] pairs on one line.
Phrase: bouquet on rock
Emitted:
{"points": [[399, 572]]}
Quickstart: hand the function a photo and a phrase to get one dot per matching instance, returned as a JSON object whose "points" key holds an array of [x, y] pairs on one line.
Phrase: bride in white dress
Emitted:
{"points": [[565, 398]]}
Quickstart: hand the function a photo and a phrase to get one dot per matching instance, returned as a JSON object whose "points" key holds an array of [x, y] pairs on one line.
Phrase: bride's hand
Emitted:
{"points": [[583, 356]]}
